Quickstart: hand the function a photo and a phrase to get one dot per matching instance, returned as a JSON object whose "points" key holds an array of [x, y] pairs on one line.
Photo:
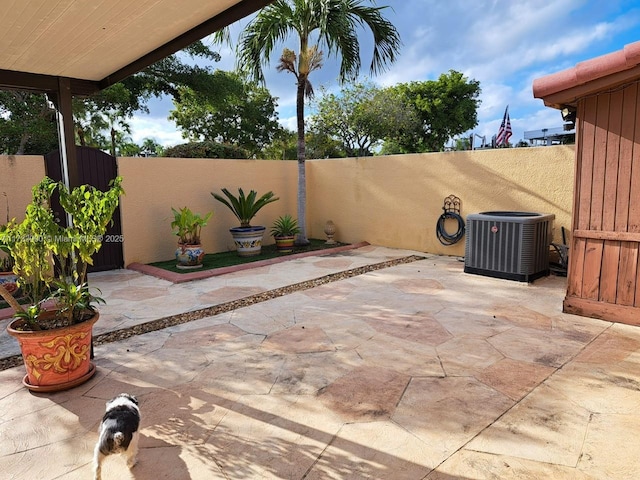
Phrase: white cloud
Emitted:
{"points": [[161, 130], [504, 44]]}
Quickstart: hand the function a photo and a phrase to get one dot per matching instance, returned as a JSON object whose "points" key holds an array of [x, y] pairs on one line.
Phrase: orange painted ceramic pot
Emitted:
{"points": [[56, 359], [285, 244]]}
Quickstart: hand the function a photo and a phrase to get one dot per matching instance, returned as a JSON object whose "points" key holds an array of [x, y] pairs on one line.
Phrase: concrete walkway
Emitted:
{"points": [[417, 371]]}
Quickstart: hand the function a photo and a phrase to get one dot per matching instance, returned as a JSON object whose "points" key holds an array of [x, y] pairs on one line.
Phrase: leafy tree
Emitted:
{"points": [[335, 25], [361, 116], [206, 149], [317, 145], [129, 149], [236, 113], [151, 148], [446, 107], [27, 124]]}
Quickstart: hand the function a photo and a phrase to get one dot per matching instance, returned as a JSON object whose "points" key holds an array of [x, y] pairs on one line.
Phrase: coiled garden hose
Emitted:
{"points": [[445, 237]]}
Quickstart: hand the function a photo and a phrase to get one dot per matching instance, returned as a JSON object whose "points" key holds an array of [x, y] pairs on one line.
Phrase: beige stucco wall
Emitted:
{"points": [[154, 185], [17, 175], [393, 201], [396, 200]]}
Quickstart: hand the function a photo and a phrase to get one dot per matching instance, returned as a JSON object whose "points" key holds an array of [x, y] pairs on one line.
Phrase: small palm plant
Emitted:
{"points": [[285, 226], [245, 207]]}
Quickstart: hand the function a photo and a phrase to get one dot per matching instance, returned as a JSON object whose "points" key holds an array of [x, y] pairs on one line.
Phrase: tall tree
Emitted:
{"points": [[331, 24], [27, 124], [446, 107], [361, 116], [237, 113]]}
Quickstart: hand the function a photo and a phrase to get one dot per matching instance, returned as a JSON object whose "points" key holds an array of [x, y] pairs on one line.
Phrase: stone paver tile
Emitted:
{"points": [[406, 357], [545, 426], [184, 417], [203, 337], [69, 458], [346, 332], [306, 374], [420, 286], [334, 263], [522, 316], [420, 328], [580, 329], [460, 321], [467, 464], [251, 371], [227, 294], [445, 413], [167, 462], [514, 378], [365, 393], [15, 400], [611, 447], [272, 437], [609, 348], [467, 355], [260, 321], [335, 291], [548, 348], [299, 339], [600, 388], [139, 293], [55, 423], [374, 450]]}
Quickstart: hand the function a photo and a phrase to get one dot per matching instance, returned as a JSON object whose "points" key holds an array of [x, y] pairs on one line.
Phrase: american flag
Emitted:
{"points": [[505, 129]]}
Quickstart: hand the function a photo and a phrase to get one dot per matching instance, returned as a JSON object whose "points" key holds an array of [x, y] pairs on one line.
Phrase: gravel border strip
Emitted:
{"points": [[161, 323]]}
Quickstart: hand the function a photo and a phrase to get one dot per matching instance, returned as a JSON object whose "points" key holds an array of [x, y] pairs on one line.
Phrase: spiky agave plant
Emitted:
{"points": [[245, 207]]}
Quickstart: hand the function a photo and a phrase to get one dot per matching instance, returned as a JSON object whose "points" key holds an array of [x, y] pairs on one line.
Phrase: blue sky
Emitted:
{"points": [[504, 44]]}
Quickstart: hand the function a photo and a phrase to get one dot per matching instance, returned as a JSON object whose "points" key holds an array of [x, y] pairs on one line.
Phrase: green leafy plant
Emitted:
{"points": [[38, 243], [245, 207], [74, 301], [285, 226], [6, 262], [188, 225]]}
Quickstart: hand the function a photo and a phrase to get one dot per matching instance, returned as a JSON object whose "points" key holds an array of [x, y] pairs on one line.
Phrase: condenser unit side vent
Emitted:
{"points": [[510, 245]]}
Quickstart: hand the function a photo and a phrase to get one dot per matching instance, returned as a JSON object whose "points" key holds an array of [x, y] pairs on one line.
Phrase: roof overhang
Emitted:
{"points": [[96, 43], [606, 72]]}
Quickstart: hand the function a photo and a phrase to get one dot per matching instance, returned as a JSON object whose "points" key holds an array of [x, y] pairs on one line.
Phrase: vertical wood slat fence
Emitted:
{"points": [[604, 273]]}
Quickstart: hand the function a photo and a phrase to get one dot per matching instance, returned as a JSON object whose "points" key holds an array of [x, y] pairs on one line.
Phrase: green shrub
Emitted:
{"points": [[206, 149]]}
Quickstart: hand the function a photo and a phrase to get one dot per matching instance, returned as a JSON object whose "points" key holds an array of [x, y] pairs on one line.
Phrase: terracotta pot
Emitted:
{"points": [[56, 359], [285, 244], [248, 240], [189, 256]]}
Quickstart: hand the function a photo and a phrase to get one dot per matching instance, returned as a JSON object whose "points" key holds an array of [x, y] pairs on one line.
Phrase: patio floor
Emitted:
{"points": [[415, 371]]}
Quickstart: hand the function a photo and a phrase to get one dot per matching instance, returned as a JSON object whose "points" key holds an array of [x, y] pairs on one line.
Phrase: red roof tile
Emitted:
{"points": [[560, 87]]}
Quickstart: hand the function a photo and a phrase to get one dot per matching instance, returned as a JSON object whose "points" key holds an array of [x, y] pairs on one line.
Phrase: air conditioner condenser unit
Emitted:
{"points": [[510, 245]]}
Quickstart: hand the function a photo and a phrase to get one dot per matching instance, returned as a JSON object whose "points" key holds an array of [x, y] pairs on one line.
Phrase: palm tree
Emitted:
{"points": [[333, 24]]}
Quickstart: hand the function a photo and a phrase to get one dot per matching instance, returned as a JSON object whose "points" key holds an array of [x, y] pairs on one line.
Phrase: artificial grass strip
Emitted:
{"points": [[228, 259]]}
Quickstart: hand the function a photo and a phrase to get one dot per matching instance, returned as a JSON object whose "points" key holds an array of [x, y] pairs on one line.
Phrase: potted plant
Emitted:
{"points": [[187, 226], [284, 231], [247, 238], [55, 328], [7, 278]]}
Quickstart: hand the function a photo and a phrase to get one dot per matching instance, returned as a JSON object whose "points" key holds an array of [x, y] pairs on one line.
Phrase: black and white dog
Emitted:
{"points": [[118, 432]]}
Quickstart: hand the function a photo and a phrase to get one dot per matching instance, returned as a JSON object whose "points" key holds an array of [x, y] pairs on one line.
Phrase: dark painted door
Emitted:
{"points": [[98, 169]]}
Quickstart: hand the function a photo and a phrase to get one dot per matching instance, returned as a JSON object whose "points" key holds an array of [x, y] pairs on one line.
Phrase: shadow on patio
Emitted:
{"points": [[412, 371]]}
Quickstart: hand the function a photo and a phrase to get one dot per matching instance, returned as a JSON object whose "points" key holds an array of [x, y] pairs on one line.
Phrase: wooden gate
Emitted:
{"points": [[604, 275], [98, 169]]}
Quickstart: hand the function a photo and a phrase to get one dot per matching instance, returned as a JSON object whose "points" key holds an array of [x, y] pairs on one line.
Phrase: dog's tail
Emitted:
{"points": [[118, 438]]}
